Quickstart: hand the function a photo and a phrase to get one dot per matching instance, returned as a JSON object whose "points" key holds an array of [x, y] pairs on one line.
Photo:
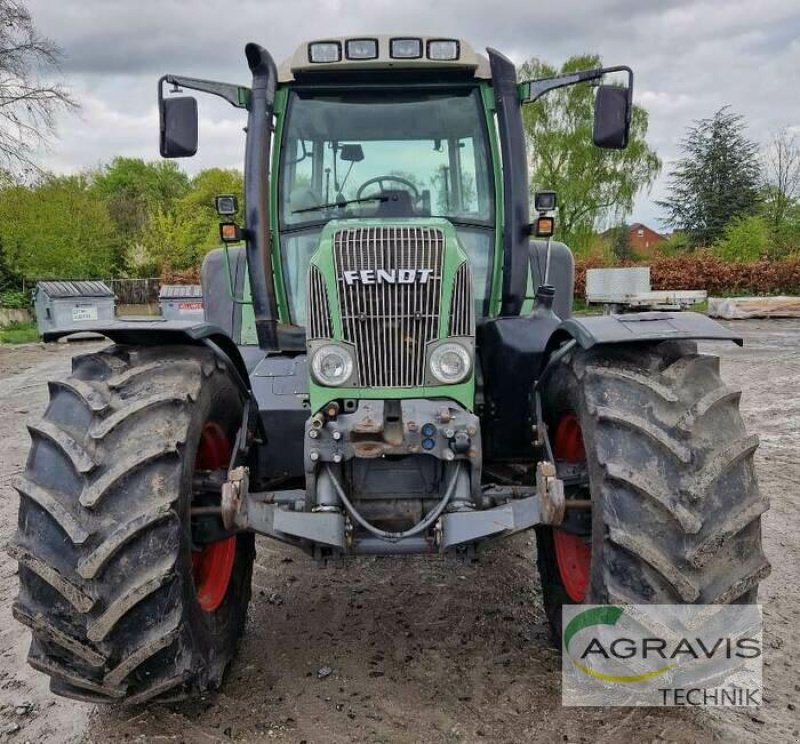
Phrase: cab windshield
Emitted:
{"points": [[377, 155]]}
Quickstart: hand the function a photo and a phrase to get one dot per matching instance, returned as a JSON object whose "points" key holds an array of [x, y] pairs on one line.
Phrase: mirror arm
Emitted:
{"points": [[236, 95], [533, 90]]}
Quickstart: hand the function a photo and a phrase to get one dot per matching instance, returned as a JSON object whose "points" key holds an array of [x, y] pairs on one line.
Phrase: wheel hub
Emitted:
{"points": [[573, 553], [212, 565]]}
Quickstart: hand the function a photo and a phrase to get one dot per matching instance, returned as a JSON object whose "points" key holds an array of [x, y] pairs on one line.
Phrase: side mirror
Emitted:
{"points": [[178, 127], [612, 117], [351, 153]]}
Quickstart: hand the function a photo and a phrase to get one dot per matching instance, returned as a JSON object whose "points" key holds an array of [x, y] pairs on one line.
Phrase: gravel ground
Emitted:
{"points": [[417, 649]]}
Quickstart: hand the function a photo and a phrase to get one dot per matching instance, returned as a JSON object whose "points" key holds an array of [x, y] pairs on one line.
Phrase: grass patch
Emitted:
{"points": [[581, 307], [19, 333]]}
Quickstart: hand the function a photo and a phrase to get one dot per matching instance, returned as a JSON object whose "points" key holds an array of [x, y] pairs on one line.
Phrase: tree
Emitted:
{"points": [[57, 229], [134, 189], [592, 184], [28, 104], [180, 237], [716, 180], [620, 236], [134, 192], [744, 239], [781, 190], [9, 276], [781, 174]]}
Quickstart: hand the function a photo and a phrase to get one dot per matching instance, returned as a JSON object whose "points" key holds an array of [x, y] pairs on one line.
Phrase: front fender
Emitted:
{"points": [[649, 327], [159, 332]]}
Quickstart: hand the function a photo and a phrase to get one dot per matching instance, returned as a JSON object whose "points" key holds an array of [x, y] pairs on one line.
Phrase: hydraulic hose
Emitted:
{"points": [[421, 526]]}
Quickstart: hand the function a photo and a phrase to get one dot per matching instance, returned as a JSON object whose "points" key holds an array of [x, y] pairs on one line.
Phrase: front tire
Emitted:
{"points": [[122, 601], [675, 506]]}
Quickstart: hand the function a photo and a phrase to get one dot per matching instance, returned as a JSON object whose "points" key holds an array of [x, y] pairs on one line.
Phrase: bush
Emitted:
{"points": [[675, 245], [702, 270], [786, 239], [745, 239], [14, 299]]}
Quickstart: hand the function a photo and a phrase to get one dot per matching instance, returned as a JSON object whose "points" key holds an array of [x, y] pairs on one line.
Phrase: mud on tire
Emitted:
{"points": [[104, 540], [676, 509]]}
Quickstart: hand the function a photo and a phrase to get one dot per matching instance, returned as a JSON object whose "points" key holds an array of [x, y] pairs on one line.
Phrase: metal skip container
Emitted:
{"points": [[181, 302], [71, 306]]}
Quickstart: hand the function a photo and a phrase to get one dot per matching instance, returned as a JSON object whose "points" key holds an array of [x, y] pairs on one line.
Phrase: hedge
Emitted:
{"points": [[717, 277], [701, 271]]}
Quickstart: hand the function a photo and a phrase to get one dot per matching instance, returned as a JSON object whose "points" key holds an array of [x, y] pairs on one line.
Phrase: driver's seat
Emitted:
{"points": [[395, 203]]}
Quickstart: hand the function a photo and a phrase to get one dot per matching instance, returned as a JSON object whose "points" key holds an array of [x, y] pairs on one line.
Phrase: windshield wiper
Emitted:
{"points": [[343, 203]]}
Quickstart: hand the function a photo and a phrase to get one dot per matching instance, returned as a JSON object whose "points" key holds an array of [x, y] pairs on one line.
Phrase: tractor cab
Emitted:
{"points": [[381, 129]]}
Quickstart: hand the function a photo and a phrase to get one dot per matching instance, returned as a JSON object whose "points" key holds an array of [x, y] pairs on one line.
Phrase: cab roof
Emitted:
{"points": [[302, 62]]}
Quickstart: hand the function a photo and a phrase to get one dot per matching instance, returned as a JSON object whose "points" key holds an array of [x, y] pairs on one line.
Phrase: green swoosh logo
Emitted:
{"points": [[607, 615]]}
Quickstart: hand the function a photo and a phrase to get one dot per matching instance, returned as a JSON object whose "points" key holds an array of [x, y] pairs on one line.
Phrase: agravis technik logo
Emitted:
{"points": [[662, 655]]}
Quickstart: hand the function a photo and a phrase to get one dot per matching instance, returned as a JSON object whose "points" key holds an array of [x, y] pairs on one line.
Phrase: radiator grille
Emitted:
{"points": [[390, 323], [462, 307], [319, 319]]}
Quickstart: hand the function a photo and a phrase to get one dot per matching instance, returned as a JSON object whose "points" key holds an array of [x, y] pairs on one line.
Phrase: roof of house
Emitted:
{"points": [[60, 289], [642, 226]]}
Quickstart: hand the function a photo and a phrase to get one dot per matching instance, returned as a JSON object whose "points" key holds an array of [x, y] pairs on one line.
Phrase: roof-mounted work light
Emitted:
{"points": [[358, 49], [405, 48], [443, 50], [322, 52]]}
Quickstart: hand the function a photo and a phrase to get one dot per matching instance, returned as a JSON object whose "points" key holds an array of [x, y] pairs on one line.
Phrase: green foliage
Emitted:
{"points": [[9, 276], [57, 228], [675, 245], [783, 217], [128, 217], [716, 180], [591, 183], [133, 189], [179, 238], [19, 333], [621, 242], [170, 240], [597, 249], [14, 299], [744, 239]]}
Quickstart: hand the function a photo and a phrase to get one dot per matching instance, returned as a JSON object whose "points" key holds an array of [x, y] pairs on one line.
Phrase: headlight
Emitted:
{"points": [[332, 365], [450, 363]]}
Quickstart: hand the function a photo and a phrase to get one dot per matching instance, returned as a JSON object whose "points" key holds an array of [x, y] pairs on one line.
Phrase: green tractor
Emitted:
{"points": [[388, 365]]}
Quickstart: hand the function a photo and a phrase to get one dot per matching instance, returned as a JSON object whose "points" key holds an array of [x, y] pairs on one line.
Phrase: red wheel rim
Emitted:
{"points": [[573, 554], [212, 566]]}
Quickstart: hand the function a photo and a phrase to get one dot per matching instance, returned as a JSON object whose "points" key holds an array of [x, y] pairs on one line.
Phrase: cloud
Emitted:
{"points": [[690, 58]]}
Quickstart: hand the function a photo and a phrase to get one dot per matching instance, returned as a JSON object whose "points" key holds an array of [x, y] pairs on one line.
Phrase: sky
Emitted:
{"points": [[690, 58]]}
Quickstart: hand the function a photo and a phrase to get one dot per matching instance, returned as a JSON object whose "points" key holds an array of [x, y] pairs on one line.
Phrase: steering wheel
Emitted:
{"points": [[380, 179]]}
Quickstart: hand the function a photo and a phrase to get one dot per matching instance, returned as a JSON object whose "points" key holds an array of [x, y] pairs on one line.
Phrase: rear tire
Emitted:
{"points": [[104, 540], [676, 509]]}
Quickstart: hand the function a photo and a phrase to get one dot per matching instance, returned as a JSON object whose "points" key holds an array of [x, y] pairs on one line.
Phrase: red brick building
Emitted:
{"points": [[644, 239]]}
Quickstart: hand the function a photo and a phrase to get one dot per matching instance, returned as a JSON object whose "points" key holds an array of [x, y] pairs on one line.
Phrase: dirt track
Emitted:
{"points": [[419, 650]]}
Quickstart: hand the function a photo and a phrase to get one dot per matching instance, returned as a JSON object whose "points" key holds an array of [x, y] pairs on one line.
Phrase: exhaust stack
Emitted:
{"points": [[256, 188]]}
